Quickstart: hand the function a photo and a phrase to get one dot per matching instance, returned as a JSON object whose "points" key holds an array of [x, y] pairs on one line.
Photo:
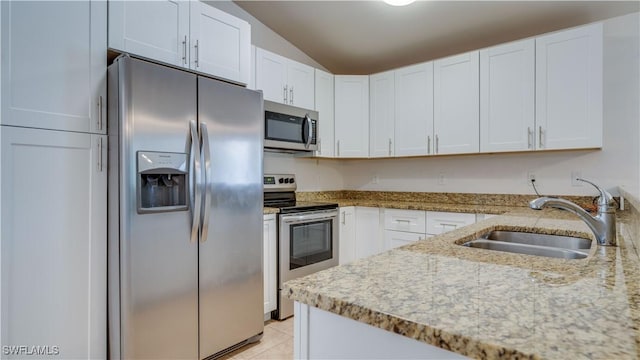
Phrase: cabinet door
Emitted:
{"points": [[300, 80], [442, 222], [271, 76], [507, 103], [54, 60], [405, 220], [324, 106], [456, 104], [382, 114], [414, 110], [157, 30], [569, 88], [220, 43], [270, 263], [54, 248], [352, 115], [347, 251], [368, 234], [394, 239]]}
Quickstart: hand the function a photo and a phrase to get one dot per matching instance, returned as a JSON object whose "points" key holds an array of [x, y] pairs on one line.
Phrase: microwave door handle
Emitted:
{"points": [[195, 196], [206, 183], [309, 130], [305, 130]]}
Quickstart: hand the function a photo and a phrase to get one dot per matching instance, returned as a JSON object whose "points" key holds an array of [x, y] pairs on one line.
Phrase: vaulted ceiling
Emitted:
{"points": [[364, 37]]}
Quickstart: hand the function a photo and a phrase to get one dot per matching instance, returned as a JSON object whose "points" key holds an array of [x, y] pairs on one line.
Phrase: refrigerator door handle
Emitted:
{"points": [[195, 197], [206, 160]]}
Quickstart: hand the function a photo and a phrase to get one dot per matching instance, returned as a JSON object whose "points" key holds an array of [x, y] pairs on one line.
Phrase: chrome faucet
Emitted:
{"points": [[603, 224]]}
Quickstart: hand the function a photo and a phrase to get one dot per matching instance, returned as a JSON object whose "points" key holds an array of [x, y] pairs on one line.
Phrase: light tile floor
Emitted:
{"points": [[276, 343]]}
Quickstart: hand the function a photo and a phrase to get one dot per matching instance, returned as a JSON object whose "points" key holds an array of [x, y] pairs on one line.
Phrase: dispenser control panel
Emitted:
{"points": [[162, 182]]}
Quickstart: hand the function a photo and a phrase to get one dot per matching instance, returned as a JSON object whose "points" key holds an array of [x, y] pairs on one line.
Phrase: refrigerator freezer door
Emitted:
{"points": [[158, 264], [230, 260]]}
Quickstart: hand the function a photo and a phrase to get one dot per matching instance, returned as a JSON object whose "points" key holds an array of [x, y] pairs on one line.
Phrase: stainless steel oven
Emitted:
{"points": [[308, 243], [307, 235]]}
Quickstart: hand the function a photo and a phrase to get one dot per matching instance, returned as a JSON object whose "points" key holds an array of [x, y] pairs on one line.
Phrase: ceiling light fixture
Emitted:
{"points": [[399, 2]]}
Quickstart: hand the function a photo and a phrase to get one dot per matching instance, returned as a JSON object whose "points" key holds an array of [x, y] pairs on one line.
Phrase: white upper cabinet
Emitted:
{"points": [[301, 79], [220, 43], [569, 88], [325, 108], [382, 114], [507, 103], [284, 81], [54, 240], [456, 104], [352, 115], [189, 34], [414, 110], [54, 58], [157, 30]]}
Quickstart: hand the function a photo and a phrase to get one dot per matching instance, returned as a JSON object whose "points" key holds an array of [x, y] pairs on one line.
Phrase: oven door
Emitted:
{"points": [[308, 243]]}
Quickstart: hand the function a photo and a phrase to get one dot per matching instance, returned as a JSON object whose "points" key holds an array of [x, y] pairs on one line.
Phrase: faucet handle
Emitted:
{"points": [[605, 199]]}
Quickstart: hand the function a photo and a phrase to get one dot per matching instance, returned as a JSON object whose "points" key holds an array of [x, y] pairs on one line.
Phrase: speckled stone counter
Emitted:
{"points": [[270, 210], [495, 305]]}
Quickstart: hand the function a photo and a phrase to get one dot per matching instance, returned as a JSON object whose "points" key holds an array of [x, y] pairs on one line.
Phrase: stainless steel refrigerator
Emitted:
{"points": [[185, 213]]}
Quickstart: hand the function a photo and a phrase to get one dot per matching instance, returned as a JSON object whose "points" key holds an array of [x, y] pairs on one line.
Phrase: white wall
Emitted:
{"points": [[617, 164], [311, 174]]}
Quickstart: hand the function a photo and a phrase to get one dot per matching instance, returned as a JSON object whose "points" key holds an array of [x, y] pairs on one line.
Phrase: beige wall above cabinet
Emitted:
{"points": [[569, 88], [189, 34], [54, 60], [456, 98], [324, 88], [284, 81], [352, 115]]}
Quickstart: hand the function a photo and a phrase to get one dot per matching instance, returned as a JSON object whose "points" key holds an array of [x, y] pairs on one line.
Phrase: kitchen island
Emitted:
{"points": [[478, 303]]}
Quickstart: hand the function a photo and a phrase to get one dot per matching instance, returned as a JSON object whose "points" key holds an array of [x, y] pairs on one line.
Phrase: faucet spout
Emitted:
{"points": [[603, 224]]}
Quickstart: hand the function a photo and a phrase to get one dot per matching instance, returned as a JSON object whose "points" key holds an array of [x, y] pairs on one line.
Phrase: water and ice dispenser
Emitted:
{"points": [[162, 181]]}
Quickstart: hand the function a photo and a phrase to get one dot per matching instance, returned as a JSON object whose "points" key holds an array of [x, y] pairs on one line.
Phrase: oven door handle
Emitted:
{"points": [[292, 219]]}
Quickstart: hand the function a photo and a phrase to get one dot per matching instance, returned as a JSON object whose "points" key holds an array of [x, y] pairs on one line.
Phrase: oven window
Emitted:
{"points": [[310, 243], [283, 129]]}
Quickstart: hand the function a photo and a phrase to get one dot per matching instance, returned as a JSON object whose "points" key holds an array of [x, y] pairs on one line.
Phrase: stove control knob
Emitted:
{"points": [[281, 180], [286, 181], [291, 180]]}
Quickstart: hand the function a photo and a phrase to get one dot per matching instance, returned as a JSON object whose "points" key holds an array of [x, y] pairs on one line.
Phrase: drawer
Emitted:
{"points": [[405, 220], [441, 222], [394, 239]]}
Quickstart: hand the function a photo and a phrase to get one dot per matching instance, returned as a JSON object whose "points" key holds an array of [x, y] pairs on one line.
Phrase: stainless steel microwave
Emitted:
{"points": [[290, 128]]}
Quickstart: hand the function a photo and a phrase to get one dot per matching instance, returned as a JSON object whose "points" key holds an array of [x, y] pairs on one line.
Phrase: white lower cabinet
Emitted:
{"points": [[394, 239], [360, 234], [347, 225], [442, 222], [54, 246], [270, 263]]}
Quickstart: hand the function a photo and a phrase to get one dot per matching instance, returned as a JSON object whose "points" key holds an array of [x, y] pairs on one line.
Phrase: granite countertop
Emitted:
{"points": [[270, 210], [490, 304]]}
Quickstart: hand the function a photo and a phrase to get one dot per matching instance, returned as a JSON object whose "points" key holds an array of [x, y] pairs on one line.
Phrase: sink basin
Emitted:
{"points": [[556, 246]]}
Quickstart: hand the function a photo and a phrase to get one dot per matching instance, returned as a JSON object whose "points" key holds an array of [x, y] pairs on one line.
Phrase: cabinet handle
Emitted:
{"points": [[99, 163], [529, 136], [285, 94], [197, 47], [403, 221], [291, 95], [338, 147], [99, 125], [437, 144], [389, 146], [184, 50], [344, 218], [428, 144], [540, 144], [319, 146]]}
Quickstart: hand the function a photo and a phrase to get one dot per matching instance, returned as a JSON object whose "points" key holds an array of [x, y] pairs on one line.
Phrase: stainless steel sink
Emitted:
{"points": [[557, 246]]}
